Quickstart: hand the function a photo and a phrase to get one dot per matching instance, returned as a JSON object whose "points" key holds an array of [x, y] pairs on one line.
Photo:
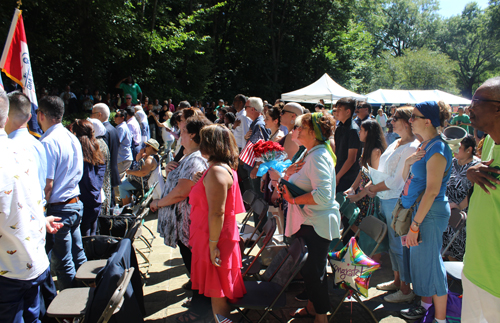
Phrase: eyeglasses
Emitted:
{"points": [[395, 118], [285, 111], [415, 116]]}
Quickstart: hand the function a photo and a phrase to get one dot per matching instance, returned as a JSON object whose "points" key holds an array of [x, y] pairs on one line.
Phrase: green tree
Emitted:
{"points": [[470, 40], [421, 69]]}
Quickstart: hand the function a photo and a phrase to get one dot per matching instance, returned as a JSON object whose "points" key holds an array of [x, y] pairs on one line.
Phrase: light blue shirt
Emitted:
{"points": [[125, 137], [317, 176], [22, 138], [64, 162]]}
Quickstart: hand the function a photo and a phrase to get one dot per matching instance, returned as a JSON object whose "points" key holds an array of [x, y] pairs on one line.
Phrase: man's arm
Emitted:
{"points": [[49, 184], [119, 83], [351, 159]]}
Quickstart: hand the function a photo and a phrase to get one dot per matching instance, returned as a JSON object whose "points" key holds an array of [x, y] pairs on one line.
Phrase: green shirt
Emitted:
{"points": [[482, 248], [462, 118], [133, 90]]}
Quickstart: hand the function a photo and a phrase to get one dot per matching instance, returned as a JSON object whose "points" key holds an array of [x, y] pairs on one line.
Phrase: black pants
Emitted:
{"points": [[314, 270], [200, 304]]}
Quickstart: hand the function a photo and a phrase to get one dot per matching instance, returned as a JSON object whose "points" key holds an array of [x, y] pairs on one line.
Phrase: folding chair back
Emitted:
{"points": [[348, 210], [456, 223], [249, 198], [269, 296], [267, 233], [260, 207], [375, 229], [116, 301]]}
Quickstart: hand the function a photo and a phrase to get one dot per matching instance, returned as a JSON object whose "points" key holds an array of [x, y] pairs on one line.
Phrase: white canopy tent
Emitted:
{"points": [[414, 96], [325, 88]]}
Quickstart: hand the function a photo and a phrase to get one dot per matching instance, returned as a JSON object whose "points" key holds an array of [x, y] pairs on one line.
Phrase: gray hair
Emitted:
{"points": [[102, 108], [256, 103], [4, 108]]}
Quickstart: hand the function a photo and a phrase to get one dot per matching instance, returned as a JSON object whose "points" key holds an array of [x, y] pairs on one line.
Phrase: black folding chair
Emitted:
{"points": [[269, 296], [252, 264], [376, 229], [456, 223], [249, 197], [260, 207]]}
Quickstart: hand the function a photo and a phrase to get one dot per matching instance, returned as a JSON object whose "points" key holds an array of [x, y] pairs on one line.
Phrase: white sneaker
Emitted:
{"points": [[388, 286], [399, 297]]}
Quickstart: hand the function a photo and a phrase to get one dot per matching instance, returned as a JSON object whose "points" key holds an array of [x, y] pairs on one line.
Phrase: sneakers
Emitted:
{"points": [[414, 313], [388, 286], [399, 297]]}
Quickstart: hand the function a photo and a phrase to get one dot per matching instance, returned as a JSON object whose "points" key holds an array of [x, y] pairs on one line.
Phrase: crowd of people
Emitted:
{"points": [[53, 189]]}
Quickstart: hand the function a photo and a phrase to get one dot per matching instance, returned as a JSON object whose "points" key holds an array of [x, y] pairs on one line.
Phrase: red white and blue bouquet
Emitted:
{"points": [[272, 154]]}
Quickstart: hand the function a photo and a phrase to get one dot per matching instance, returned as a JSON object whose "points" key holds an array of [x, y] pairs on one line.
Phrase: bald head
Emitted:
{"points": [[492, 85], [101, 111], [4, 108]]}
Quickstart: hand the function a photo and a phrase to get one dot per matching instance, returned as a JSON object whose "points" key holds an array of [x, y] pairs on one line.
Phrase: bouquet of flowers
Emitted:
{"points": [[272, 155]]}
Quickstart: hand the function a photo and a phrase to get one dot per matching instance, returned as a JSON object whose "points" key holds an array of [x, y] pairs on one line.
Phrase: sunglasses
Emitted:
{"points": [[414, 116], [285, 111]]}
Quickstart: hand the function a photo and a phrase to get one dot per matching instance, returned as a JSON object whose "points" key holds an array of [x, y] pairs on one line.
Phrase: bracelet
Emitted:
{"points": [[414, 231], [293, 201], [417, 224], [213, 240]]}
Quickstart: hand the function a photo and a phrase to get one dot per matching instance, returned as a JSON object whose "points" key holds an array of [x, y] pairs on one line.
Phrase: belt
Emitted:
{"points": [[70, 201]]}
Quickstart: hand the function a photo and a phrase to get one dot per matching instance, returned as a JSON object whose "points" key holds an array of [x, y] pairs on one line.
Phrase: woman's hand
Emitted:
{"points": [[415, 157], [349, 191], [171, 166], [154, 205], [356, 197], [286, 194], [412, 239], [294, 168], [214, 254], [197, 176]]}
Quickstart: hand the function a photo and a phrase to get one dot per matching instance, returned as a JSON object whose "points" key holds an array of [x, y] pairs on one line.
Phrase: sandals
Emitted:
{"points": [[297, 314], [189, 317]]}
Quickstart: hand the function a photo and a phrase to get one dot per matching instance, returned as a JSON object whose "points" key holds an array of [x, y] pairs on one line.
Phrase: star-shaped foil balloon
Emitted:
{"points": [[353, 268]]}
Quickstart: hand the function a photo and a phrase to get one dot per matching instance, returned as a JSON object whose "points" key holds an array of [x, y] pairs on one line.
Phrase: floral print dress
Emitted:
{"points": [[174, 220]]}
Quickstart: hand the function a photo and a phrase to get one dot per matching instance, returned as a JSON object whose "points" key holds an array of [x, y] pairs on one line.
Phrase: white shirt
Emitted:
{"points": [[22, 222], [135, 130], [392, 163], [240, 131]]}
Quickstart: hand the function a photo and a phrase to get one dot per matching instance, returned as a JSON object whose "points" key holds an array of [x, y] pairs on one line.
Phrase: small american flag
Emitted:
{"points": [[222, 319], [247, 156]]}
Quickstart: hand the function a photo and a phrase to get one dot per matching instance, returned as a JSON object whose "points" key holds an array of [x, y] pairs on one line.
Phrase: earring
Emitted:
{"points": [[292, 122]]}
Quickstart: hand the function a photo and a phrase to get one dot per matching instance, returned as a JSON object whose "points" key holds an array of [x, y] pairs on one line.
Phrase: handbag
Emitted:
{"points": [[117, 225], [99, 247], [401, 217]]}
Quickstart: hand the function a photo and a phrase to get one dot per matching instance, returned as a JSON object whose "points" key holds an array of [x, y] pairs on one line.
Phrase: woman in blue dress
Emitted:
{"points": [[429, 171]]}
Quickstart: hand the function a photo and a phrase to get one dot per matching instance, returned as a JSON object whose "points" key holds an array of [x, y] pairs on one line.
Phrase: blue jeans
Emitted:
{"points": [[67, 252], [125, 188], [20, 300], [395, 246], [423, 264]]}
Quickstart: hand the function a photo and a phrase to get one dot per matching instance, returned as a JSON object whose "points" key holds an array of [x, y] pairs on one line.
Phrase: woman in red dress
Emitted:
{"points": [[214, 236]]}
